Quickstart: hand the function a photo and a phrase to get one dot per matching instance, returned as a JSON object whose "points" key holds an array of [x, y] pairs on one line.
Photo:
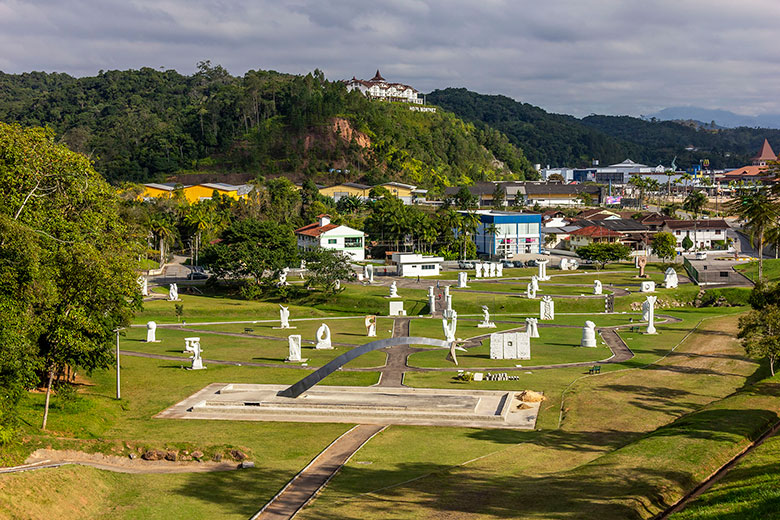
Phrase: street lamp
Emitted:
{"points": [[117, 331]]}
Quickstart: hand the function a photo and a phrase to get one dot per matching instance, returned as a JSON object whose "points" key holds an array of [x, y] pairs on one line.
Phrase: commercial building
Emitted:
{"points": [[505, 234], [332, 236], [414, 264], [379, 88], [346, 189], [195, 192]]}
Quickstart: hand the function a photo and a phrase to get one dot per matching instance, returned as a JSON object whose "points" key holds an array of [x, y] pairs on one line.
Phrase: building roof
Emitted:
{"points": [[595, 232], [351, 185], [315, 230], [623, 225], [597, 214], [399, 184], [766, 153], [747, 171], [478, 188], [377, 76], [716, 223], [628, 163], [560, 189], [166, 186]]}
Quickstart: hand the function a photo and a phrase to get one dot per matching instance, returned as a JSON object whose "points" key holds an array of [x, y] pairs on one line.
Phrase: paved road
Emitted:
{"points": [[304, 486]]}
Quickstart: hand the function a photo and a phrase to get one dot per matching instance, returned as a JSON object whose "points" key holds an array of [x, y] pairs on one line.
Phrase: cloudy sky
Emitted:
{"points": [[573, 56]]}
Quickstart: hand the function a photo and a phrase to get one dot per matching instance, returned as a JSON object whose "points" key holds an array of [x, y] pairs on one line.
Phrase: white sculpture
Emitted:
{"points": [[303, 264], [323, 338], [462, 279], [597, 287], [588, 335], [294, 342], [499, 269], [338, 285], [569, 264], [543, 270], [547, 308], [492, 269], [535, 282], [197, 362], [670, 278], [370, 326], [431, 302], [430, 291], [448, 311], [173, 293], [532, 327], [530, 291], [486, 323], [647, 287], [446, 291], [283, 277], [143, 284], [151, 328], [478, 270], [564, 264], [189, 344], [510, 345], [450, 327], [651, 314], [394, 290], [397, 309], [284, 314], [368, 273]]}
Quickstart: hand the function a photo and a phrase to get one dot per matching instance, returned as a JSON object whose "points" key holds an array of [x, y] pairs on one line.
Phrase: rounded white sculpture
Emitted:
{"points": [[597, 289], [323, 338], [151, 328], [588, 335]]}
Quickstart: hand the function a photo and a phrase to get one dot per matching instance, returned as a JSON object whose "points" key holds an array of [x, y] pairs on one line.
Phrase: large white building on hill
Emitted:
{"points": [[332, 236], [378, 88]]}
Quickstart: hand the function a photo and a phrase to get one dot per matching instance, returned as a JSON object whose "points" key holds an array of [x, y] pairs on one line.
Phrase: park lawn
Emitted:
{"points": [[602, 462], [771, 269], [242, 349], [749, 491], [555, 346], [96, 422], [519, 288]]}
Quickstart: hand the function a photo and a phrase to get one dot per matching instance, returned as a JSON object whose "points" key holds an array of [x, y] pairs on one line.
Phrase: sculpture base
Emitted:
{"points": [[288, 360], [283, 328], [486, 325], [329, 347], [589, 344]]}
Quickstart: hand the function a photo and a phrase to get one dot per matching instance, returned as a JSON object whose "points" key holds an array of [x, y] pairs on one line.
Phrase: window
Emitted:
{"points": [[331, 241], [717, 231], [678, 232], [724, 274], [353, 242], [428, 267]]}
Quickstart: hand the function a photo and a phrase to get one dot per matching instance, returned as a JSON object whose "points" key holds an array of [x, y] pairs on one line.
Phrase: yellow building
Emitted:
{"points": [[406, 192], [345, 190], [196, 192]]}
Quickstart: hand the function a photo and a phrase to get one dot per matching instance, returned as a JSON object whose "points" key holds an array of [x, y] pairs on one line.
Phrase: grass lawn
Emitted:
{"points": [[771, 269], [519, 288]]}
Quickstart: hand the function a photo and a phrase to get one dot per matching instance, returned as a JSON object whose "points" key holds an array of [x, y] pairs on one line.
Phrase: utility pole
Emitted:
{"points": [[118, 393]]}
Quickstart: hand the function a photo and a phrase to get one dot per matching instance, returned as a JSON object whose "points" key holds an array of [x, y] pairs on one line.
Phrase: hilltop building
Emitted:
{"points": [[196, 192], [378, 88], [332, 236]]}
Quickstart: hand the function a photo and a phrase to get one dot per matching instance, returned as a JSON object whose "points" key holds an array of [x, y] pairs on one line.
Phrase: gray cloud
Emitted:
{"points": [[610, 56]]}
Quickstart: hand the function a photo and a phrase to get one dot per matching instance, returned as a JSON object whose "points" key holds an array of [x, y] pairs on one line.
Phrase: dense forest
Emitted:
{"points": [[562, 140], [145, 125]]}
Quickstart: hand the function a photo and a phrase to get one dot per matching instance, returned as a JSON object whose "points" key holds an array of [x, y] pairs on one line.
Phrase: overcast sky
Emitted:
{"points": [[573, 56]]}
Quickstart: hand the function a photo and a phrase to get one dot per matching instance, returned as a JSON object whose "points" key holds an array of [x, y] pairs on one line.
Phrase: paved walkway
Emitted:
{"points": [[306, 484], [392, 374]]}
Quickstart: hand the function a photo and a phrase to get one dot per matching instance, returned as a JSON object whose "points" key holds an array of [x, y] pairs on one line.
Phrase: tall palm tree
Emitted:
{"points": [[162, 229], [694, 202], [758, 209]]}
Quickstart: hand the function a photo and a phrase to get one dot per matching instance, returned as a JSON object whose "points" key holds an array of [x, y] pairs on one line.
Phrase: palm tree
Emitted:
{"points": [[469, 224], [491, 229], [758, 209], [772, 236], [694, 202], [162, 229]]}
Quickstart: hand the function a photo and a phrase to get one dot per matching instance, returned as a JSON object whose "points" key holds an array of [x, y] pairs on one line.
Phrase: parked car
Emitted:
{"points": [[465, 264], [508, 263], [197, 276], [530, 263], [544, 251], [701, 255], [518, 263]]}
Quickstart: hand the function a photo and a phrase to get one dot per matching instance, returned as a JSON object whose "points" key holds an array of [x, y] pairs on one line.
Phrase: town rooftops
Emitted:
{"points": [[624, 225], [715, 223], [747, 171], [628, 163], [595, 232], [354, 185]]}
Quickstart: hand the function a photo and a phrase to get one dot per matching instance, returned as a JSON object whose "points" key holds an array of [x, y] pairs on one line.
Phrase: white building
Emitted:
{"points": [[701, 232], [331, 236], [414, 264], [378, 88]]}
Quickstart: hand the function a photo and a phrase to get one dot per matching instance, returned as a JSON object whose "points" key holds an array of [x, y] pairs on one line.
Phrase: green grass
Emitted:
{"points": [[771, 269]]}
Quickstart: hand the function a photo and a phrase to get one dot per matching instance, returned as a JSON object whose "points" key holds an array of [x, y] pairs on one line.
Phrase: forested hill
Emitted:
{"points": [[562, 140], [144, 125]]}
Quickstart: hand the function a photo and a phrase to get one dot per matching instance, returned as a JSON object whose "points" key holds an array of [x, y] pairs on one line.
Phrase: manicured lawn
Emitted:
{"points": [[771, 269]]}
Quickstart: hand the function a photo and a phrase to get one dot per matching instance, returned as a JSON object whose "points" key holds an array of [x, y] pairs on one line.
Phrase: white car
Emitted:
{"points": [[701, 255]]}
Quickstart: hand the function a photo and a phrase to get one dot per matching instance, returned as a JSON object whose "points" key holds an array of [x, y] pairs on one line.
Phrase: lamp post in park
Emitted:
{"points": [[118, 393]]}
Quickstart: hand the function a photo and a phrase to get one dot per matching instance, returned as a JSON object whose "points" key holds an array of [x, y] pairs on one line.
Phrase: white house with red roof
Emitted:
{"points": [[332, 236], [378, 88]]}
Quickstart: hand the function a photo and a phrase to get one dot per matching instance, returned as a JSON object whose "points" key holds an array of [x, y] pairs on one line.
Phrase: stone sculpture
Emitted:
{"points": [[547, 308], [530, 291], [448, 311], [173, 293], [189, 344], [478, 270], [492, 269], [641, 263], [397, 309], [450, 326], [462, 279], [651, 314], [143, 285], [284, 314], [532, 327], [371, 326], [499, 269], [431, 303], [543, 270], [294, 342], [151, 329], [446, 291], [323, 338], [394, 290], [283, 277], [597, 289], [588, 335], [670, 278], [535, 282], [338, 285], [197, 362], [510, 345], [486, 323], [368, 273], [647, 287]]}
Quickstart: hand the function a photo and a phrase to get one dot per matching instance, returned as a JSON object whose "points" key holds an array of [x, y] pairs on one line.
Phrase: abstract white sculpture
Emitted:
{"points": [[492, 269], [670, 278], [323, 338], [510, 345], [547, 308], [446, 291], [284, 315], [535, 282], [189, 344], [530, 291], [462, 279], [151, 328], [370, 326], [394, 290], [532, 327], [588, 335], [431, 303], [499, 269], [397, 309], [173, 293], [651, 314], [283, 277], [450, 326], [597, 289], [647, 287], [486, 323], [543, 270], [478, 270], [448, 307], [197, 362], [368, 273], [294, 343], [338, 285], [143, 284]]}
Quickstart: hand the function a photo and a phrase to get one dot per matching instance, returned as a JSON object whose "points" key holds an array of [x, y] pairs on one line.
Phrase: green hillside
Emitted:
{"points": [[143, 125]]}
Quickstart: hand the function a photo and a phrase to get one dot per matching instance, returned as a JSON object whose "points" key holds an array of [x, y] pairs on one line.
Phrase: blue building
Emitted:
{"points": [[505, 233]]}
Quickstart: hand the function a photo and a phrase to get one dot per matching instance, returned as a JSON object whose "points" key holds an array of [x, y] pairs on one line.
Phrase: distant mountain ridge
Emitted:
{"points": [[724, 118]]}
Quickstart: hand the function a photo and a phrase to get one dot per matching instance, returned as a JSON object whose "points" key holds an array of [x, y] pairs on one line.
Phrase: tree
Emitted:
{"points": [[687, 243], [664, 245], [252, 248], [585, 198], [499, 196], [695, 202], [325, 267], [555, 177], [759, 332], [758, 209], [465, 200], [603, 253], [86, 262]]}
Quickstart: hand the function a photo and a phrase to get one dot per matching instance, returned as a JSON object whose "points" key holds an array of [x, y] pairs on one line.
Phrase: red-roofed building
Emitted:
{"points": [[592, 234], [378, 88], [332, 236], [766, 154]]}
